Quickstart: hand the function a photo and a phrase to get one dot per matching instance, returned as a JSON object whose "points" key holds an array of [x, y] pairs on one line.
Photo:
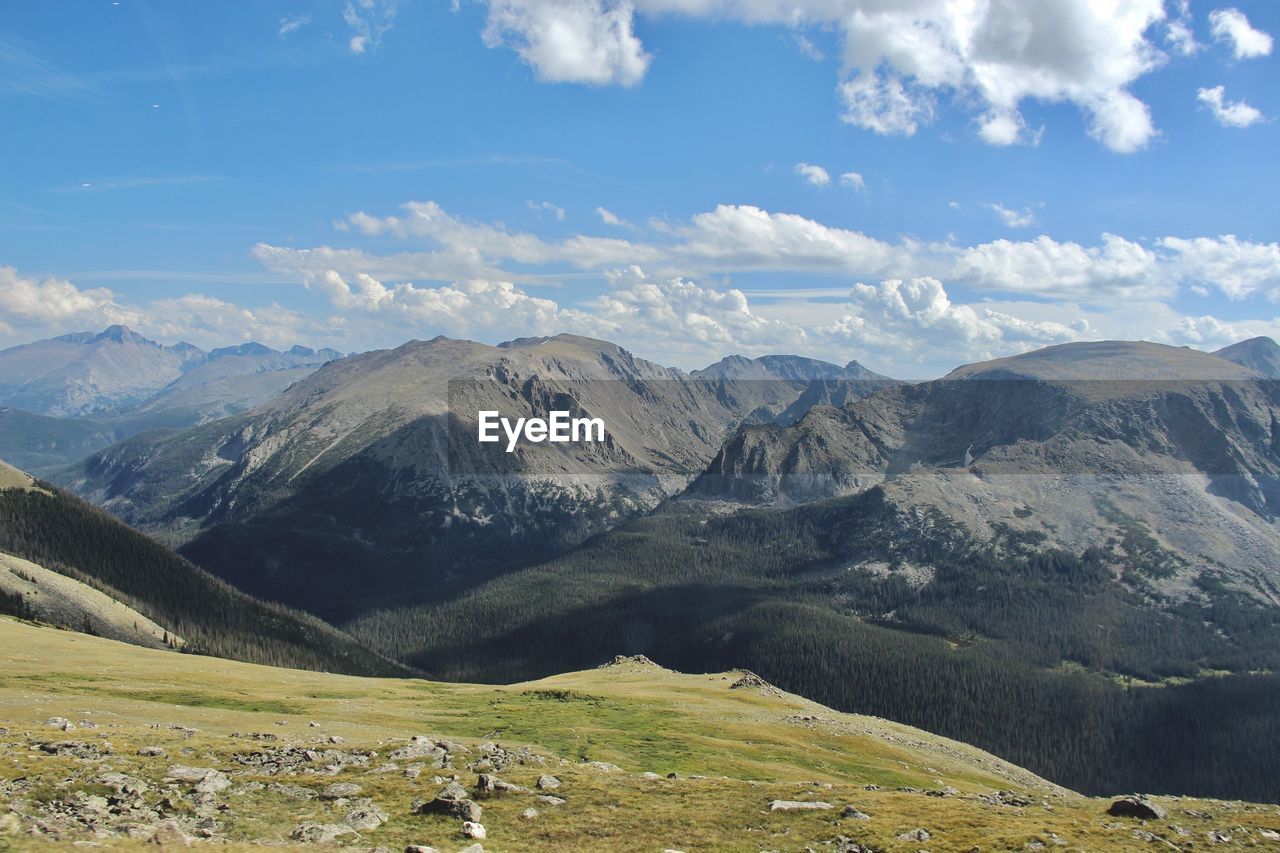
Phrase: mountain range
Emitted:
{"points": [[63, 398], [374, 491], [1064, 556]]}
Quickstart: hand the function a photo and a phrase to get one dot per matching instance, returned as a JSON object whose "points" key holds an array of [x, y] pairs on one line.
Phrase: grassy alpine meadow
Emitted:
{"points": [[111, 745]]}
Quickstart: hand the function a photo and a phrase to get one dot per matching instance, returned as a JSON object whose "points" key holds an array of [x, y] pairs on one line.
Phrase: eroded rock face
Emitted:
{"points": [[1139, 807]]}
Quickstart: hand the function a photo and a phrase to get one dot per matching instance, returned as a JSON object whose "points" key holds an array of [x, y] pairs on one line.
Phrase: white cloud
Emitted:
{"points": [[1231, 25], [1228, 113], [899, 58], [1024, 218], [608, 217], [815, 175], [1236, 267], [807, 48], [474, 307], [369, 21], [570, 41], [885, 105], [678, 317], [547, 207], [853, 180], [746, 237], [293, 23], [1116, 270], [917, 315], [56, 305]]}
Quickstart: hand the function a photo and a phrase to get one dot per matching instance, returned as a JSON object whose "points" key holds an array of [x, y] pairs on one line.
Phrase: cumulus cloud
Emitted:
{"points": [[29, 304], [1227, 113], [730, 237], [746, 237], [32, 308], [675, 316], [570, 41], [1231, 26], [369, 21], [899, 59], [815, 175], [918, 315], [1238, 268], [1118, 269], [853, 180]]}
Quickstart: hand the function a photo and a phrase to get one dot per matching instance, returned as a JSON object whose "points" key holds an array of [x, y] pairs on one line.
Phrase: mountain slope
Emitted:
{"points": [[730, 749], [33, 592], [43, 444], [59, 532], [1260, 354], [989, 556], [364, 483], [1071, 444]]}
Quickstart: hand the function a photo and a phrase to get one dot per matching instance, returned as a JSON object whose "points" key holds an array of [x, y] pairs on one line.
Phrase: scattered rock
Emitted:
{"points": [[853, 814], [452, 800], [340, 790], [421, 748], [366, 817], [1139, 807], [474, 848], [336, 739], [60, 723], [320, 833], [204, 780], [603, 766], [915, 835], [420, 848], [529, 814], [75, 749], [490, 784], [552, 801], [547, 782], [649, 775], [471, 829], [796, 806], [169, 834], [293, 792], [152, 752]]}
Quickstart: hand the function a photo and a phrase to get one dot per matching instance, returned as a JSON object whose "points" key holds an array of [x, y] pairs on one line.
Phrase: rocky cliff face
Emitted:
{"points": [[1071, 444], [367, 474]]}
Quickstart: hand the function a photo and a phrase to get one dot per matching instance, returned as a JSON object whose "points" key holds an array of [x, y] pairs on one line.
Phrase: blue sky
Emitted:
{"points": [[214, 174]]}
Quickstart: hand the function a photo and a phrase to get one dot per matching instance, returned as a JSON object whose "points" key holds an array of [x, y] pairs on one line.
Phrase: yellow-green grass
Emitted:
{"points": [[750, 746]]}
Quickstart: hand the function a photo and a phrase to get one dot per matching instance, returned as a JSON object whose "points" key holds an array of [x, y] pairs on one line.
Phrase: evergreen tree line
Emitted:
{"points": [[1069, 665], [62, 533]]}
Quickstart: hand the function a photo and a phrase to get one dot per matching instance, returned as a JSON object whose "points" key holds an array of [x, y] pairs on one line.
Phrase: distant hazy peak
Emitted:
{"points": [[787, 367], [1107, 360], [249, 348], [1261, 354]]}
